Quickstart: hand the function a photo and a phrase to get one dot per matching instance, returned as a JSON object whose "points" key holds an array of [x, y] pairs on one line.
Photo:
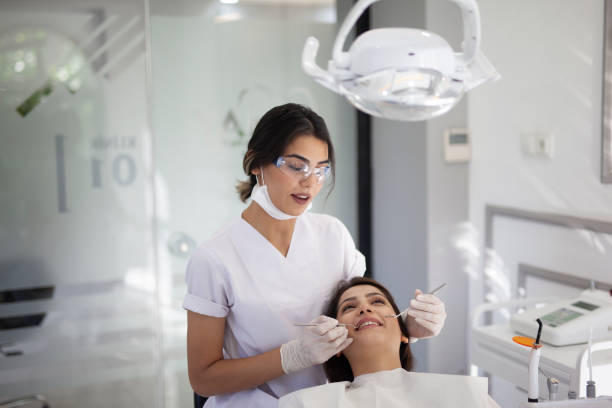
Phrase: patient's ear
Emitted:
{"points": [[405, 339]]}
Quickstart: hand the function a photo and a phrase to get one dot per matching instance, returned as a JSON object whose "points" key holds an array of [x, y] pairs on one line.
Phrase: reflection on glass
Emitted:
{"points": [[31, 55], [181, 244]]}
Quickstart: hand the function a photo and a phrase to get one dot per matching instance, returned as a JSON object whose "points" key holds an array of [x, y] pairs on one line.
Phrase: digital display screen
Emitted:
{"points": [[559, 317], [457, 138], [585, 305]]}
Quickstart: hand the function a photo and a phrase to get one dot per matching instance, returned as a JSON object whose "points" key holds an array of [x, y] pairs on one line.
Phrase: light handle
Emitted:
{"points": [[309, 64]]}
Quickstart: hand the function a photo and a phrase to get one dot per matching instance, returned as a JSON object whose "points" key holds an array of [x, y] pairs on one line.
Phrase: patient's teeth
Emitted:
{"points": [[368, 324]]}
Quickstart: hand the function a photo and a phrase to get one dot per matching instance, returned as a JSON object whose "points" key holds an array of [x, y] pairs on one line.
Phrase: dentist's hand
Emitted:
{"points": [[425, 316], [315, 345]]}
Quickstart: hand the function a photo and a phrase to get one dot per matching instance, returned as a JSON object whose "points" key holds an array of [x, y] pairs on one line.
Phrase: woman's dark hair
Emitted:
{"points": [[274, 132], [338, 368]]}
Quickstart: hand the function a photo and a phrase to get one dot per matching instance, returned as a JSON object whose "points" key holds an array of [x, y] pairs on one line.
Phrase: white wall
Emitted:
{"points": [[551, 82], [447, 211], [549, 54]]}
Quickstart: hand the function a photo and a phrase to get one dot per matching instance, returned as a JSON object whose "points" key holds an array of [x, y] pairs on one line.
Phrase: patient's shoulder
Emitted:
{"points": [[321, 396]]}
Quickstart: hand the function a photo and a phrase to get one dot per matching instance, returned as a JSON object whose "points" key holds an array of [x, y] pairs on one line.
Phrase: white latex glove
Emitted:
{"points": [[425, 316], [315, 344]]}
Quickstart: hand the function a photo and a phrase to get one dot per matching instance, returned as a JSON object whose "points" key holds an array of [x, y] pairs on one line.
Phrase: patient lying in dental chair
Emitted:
{"points": [[374, 371]]}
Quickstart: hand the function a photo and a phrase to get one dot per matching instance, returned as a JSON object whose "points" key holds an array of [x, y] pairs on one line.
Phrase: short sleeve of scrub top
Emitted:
{"points": [[240, 275], [206, 289]]}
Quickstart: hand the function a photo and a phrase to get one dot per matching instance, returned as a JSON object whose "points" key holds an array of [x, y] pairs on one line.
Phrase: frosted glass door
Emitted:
{"points": [[78, 303]]}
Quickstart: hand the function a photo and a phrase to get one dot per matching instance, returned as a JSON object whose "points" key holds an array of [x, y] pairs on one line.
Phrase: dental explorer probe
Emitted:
{"points": [[433, 292]]}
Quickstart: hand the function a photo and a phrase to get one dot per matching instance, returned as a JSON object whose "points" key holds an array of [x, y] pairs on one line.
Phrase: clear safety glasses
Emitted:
{"points": [[301, 170]]}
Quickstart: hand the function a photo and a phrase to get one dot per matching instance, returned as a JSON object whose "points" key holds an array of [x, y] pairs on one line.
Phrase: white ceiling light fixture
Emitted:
{"points": [[403, 73]]}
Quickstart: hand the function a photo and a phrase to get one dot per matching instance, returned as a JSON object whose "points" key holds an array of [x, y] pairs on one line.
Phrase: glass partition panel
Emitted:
{"points": [[217, 68], [99, 211], [78, 300]]}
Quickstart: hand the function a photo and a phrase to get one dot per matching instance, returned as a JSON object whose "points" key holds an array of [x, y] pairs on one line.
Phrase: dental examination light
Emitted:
{"points": [[402, 73]]}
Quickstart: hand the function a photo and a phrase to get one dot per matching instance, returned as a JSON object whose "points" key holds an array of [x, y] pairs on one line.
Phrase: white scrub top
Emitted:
{"points": [[241, 276], [395, 389]]}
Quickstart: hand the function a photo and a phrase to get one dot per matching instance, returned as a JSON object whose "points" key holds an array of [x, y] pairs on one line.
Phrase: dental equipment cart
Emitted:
{"points": [[493, 351], [567, 321]]}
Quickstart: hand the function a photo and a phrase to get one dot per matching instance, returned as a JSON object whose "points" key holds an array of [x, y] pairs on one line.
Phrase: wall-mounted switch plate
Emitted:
{"points": [[538, 144]]}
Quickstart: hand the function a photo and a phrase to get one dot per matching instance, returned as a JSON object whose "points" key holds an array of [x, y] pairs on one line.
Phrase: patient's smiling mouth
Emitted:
{"points": [[367, 323]]}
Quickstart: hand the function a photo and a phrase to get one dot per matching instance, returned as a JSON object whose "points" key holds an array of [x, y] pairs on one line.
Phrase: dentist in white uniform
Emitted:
{"points": [[274, 266]]}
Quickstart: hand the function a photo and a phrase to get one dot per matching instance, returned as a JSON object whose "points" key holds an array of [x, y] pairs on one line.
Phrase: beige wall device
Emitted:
{"points": [[456, 145]]}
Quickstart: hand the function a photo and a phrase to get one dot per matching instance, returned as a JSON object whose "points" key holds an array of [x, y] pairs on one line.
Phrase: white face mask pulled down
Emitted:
{"points": [[260, 196]]}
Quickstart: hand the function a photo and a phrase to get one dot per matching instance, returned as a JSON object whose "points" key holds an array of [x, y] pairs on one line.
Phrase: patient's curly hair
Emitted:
{"points": [[338, 368]]}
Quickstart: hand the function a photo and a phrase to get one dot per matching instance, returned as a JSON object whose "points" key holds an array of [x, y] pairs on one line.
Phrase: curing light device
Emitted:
{"points": [[402, 73], [533, 391]]}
